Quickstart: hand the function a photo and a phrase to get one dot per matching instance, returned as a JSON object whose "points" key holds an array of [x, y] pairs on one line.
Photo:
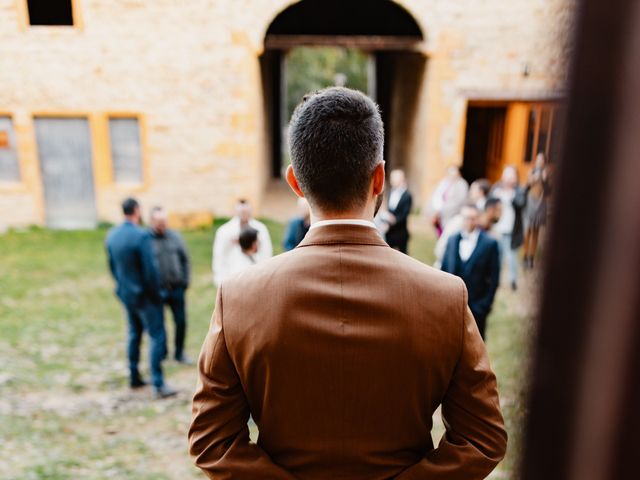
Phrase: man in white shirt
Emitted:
{"points": [[474, 256], [227, 253]]}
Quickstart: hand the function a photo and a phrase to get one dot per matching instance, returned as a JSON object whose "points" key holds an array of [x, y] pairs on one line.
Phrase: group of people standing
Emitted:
{"points": [[151, 268], [478, 227], [482, 226]]}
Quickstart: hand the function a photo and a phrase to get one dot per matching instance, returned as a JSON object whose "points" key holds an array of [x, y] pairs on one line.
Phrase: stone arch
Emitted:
{"points": [[383, 28]]}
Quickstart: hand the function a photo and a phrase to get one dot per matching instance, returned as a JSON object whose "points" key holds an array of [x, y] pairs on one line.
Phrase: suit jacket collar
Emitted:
{"points": [[343, 234]]}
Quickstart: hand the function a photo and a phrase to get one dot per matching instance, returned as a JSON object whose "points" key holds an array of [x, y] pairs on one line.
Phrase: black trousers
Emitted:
{"points": [[174, 299], [398, 240]]}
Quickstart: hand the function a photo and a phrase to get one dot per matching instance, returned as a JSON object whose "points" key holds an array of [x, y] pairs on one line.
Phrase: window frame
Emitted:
{"points": [[25, 22], [539, 108], [144, 164]]}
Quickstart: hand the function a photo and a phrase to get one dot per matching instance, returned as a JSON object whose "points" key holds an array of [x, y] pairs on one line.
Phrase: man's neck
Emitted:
{"points": [[322, 218], [365, 214]]}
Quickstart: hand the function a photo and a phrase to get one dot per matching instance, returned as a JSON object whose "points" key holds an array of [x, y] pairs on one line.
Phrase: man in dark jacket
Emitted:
{"points": [[174, 269], [297, 227], [474, 256], [399, 207], [132, 265]]}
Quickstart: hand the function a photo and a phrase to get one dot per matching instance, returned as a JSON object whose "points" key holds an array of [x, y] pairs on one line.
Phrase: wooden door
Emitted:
{"points": [[64, 148]]}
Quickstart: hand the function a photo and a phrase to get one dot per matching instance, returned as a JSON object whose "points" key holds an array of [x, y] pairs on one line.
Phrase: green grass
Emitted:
{"points": [[65, 409]]}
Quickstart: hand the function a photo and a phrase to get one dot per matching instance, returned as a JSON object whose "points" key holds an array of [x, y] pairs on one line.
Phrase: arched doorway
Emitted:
{"points": [[383, 31]]}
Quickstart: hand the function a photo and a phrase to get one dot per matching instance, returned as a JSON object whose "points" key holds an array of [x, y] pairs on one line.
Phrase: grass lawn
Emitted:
{"points": [[65, 407]]}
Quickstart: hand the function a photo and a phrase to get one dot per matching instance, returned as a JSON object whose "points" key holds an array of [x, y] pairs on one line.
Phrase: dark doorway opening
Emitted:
{"points": [[483, 142], [50, 12], [337, 17], [379, 28]]}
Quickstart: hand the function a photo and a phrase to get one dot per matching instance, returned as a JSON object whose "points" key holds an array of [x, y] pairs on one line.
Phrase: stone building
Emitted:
{"points": [[180, 103]]}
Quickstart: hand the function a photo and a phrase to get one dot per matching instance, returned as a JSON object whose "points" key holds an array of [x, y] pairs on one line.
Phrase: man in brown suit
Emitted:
{"points": [[343, 348]]}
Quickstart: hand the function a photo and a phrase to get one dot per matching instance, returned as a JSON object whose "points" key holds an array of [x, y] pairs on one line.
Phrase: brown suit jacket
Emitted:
{"points": [[341, 350]]}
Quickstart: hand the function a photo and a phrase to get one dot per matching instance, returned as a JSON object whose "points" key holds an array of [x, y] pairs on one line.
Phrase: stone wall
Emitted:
{"points": [[191, 71]]}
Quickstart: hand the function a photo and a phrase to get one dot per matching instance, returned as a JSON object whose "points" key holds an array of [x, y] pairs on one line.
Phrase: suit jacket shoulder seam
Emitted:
{"points": [[463, 310], [221, 335]]}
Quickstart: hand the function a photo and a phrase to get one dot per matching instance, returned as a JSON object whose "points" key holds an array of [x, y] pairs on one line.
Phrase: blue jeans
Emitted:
{"points": [[511, 256], [174, 299], [146, 316]]}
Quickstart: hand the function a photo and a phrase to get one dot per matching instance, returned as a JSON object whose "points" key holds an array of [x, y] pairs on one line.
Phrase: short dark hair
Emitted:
{"points": [[248, 236], [491, 202], [336, 137], [484, 185], [129, 206]]}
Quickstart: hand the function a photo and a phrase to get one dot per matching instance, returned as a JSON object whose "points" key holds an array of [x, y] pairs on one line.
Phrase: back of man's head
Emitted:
{"points": [[491, 203], [492, 212], [248, 238], [129, 206], [336, 138]]}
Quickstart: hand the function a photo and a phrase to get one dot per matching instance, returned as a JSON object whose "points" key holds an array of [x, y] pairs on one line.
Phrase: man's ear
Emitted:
{"points": [[378, 179], [293, 182]]}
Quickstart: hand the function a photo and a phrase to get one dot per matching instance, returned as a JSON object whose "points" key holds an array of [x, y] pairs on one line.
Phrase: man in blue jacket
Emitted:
{"points": [[473, 255], [132, 265]]}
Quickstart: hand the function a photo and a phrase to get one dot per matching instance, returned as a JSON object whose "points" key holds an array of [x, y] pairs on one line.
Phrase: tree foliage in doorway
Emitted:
{"points": [[313, 68]]}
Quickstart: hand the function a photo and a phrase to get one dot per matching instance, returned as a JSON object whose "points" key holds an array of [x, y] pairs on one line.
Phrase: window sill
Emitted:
{"points": [[130, 186]]}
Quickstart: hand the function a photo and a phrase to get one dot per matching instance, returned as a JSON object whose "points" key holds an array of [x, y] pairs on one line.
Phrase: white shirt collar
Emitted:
{"points": [[395, 196], [468, 244], [343, 221], [471, 236]]}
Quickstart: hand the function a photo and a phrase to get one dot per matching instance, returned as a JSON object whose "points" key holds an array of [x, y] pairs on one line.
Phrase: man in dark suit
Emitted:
{"points": [[342, 348], [474, 256], [132, 265], [399, 207]]}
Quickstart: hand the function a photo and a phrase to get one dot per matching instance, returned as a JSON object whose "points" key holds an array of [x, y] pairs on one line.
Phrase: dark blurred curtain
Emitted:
{"points": [[584, 405]]}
